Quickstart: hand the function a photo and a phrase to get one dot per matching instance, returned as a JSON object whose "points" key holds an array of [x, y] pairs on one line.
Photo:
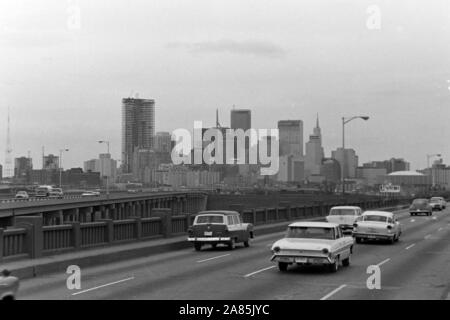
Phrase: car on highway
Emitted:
{"points": [[377, 225], [420, 206], [344, 216], [43, 191], [90, 194], [313, 243], [22, 195], [438, 203], [9, 286], [56, 193], [219, 227]]}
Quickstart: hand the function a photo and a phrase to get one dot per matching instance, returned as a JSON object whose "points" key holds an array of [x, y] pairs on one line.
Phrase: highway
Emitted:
{"points": [[416, 267]]}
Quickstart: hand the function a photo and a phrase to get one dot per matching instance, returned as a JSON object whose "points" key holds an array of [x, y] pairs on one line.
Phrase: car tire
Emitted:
{"points": [[392, 240], [358, 240], [346, 262], [231, 244], [334, 266], [282, 266], [247, 243], [214, 245], [197, 246]]}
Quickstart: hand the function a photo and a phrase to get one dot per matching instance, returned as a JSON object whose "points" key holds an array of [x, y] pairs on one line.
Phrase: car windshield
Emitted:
{"points": [[210, 219], [342, 212], [375, 218], [42, 189], [310, 233], [420, 201]]}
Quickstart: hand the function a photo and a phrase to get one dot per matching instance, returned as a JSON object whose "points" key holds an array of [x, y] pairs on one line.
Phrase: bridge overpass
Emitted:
{"points": [[114, 206]]}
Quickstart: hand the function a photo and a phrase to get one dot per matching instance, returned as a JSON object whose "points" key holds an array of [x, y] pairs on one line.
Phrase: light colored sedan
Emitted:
{"points": [[22, 195], [9, 286], [377, 225], [313, 243], [344, 216]]}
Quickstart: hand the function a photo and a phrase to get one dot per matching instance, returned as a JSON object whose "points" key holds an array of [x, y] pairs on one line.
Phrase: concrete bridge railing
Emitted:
{"points": [[30, 238]]}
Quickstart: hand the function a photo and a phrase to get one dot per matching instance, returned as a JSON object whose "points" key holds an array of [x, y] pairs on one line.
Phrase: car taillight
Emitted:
{"points": [[325, 250], [389, 227], [355, 225], [276, 249]]}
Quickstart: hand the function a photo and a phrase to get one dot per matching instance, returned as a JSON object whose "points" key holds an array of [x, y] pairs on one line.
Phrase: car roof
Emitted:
{"points": [[378, 213], [437, 198], [345, 207], [313, 224], [221, 212], [422, 199]]}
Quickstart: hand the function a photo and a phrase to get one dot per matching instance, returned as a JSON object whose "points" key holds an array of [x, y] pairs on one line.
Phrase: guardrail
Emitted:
{"points": [[35, 240], [34, 199]]}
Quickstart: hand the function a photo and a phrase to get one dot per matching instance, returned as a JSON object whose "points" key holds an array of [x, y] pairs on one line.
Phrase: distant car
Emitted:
{"points": [[377, 225], [9, 286], [313, 243], [43, 191], [133, 191], [438, 203], [420, 206], [344, 216], [57, 193], [219, 227], [22, 195], [90, 194]]}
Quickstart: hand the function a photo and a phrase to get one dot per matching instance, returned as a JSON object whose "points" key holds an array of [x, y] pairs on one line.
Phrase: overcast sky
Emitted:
{"points": [[64, 80]]}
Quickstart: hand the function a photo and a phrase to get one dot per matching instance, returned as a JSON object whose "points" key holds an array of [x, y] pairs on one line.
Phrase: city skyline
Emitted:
{"points": [[291, 57]]}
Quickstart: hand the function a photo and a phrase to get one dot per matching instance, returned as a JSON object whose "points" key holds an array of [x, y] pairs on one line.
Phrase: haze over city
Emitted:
{"points": [[64, 85]]}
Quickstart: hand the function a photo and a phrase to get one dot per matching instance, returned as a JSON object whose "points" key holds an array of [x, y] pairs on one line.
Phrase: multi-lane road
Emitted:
{"points": [[416, 267]]}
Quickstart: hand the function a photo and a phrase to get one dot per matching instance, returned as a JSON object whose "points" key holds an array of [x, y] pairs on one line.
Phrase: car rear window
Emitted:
{"points": [[435, 199], [420, 201], [342, 212], [209, 219], [375, 218], [310, 233]]}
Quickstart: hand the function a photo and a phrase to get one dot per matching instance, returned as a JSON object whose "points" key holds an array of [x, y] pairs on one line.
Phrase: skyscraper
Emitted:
{"points": [[349, 157], [241, 119], [163, 142], [291, 137], [314, 152], [138, 128]]}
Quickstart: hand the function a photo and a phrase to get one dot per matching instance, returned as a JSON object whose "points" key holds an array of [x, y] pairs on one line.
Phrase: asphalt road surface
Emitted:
{"points": [[416, 267]]}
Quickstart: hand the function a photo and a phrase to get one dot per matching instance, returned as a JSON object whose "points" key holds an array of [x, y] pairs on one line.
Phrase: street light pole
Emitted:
{"points": [[60, 165], [344, 122]]}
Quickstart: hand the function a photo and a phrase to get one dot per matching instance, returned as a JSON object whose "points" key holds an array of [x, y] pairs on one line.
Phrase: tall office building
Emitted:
{"points": [[138, 128], [291, 137], [23, 167], [241, 119], [314, 152], [347, 159], [50, 162], [163, 142]]}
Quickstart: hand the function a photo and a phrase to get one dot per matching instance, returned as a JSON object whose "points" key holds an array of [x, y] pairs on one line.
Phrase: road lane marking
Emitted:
{"points": [[412, 220], [224, 255], [383, 262], [333, 292], [258, 271], [427, 236], [102, 286], [410, 246]]}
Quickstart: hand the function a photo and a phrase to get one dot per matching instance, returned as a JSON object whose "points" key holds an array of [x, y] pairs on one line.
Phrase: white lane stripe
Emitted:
{"points": [[410, 246], [224, 255], [383, 262], [102, 286], [412, 220], [333, 292], [258, 271], [439, 229], [427, 236]]}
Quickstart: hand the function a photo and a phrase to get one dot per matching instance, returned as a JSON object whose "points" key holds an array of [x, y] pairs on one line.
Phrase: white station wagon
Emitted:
{"points": [[313, 243], [344, 216], [377, 225]]}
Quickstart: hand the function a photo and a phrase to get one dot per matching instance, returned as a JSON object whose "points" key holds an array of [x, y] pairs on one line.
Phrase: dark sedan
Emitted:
{"points": [[421, 206]]}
